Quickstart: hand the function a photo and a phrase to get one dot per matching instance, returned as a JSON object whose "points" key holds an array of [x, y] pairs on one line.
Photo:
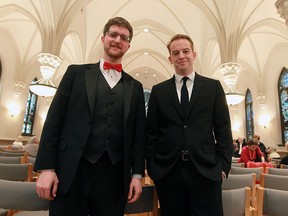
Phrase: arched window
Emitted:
{"points": [[249, 114], [283, 101], [30, 110]]}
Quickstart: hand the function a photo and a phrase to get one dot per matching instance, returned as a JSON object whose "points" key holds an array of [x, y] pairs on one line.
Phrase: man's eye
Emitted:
{"points": [[113, 34], [124, 37]]}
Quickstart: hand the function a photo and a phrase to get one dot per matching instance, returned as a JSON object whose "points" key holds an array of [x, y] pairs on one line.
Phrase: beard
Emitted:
{"points": [[112, 53]]}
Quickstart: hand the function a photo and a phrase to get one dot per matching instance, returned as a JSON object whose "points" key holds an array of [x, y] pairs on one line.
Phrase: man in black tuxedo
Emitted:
{"points": [[189, 143], [92, 150]]}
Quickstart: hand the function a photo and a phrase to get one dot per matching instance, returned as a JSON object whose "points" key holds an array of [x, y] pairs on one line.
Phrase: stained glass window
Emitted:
{"points": [[249, 114], [30, 110], [283, 101]]}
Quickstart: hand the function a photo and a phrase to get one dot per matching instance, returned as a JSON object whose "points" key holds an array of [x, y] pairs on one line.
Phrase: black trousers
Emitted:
{"points": [[185, 192], [97, 190]]}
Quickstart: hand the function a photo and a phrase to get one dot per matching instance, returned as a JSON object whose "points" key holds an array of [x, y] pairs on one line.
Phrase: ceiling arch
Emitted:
{"points": [[245, 31]]}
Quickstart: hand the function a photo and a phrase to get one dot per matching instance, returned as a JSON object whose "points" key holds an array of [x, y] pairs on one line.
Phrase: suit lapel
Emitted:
{"points": [[197, 88], [173, 95], [91, 77], [127, 93]]}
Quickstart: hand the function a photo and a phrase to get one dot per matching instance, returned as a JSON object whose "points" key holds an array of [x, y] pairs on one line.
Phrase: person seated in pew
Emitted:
{"points": [[32, 145], [261, 145], [284, 160], [272, 154], [240, 143], [18, 143], [252, 156]]}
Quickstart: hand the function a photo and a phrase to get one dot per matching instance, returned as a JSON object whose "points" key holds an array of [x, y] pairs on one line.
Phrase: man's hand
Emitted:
{"points": [[135, 190], [47, 184]]}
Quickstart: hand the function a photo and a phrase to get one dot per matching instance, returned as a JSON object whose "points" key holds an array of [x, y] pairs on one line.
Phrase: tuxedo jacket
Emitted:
{"points": [[206, 129], [69, 121]]}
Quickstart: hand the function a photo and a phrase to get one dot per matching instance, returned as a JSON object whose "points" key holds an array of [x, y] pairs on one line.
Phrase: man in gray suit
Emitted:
{"points": [[189, 137], [92, 149]]}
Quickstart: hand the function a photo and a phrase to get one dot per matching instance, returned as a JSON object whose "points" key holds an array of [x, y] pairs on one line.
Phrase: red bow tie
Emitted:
{"points": [[117, 67]]}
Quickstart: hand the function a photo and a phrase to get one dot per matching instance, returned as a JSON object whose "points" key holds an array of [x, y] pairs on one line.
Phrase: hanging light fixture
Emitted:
{"points": [[282, 8], [230, 73], [44, 86]]}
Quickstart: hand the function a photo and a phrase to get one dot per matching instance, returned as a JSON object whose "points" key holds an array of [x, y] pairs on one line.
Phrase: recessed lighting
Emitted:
{"points": [[146, 30], [146, 53]]}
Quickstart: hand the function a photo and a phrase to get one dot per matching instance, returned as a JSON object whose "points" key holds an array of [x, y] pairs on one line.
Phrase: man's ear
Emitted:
{"points": [[194, 55]]}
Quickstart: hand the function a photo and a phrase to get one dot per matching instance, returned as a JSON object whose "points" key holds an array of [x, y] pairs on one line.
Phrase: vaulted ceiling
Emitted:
{"points": [[249, 32]]}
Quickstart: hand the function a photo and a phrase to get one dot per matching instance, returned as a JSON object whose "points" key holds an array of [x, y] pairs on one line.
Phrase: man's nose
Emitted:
{"points": [[181, 55], [118, 39]]}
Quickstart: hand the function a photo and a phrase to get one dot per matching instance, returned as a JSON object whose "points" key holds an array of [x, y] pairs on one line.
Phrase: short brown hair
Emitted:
{"points": [[256, 136], [119, 21], [177, 37], [252, 142]]}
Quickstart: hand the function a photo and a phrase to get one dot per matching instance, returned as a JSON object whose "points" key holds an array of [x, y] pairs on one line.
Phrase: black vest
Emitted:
{"points": [[107, 129]]}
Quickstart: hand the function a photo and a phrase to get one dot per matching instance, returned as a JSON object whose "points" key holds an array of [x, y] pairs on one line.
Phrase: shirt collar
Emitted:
{"points": [[101, 65], [116, 73], [191, 76]]}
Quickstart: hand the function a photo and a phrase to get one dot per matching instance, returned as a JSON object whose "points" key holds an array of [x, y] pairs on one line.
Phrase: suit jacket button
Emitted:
{"points": [[185, 126]]}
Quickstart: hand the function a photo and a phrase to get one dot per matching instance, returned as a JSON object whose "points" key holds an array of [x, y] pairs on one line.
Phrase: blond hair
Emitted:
{"points": [[177, 37]]}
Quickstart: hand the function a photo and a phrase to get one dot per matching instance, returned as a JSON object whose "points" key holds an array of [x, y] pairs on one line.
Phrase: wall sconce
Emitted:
{"points": [[18, 88], [13, 109], [264, 119], [236, 126]]}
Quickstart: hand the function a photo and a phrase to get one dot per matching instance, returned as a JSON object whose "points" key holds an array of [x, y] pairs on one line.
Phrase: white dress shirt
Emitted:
{"points": [[189, 84], [112, 76]]}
